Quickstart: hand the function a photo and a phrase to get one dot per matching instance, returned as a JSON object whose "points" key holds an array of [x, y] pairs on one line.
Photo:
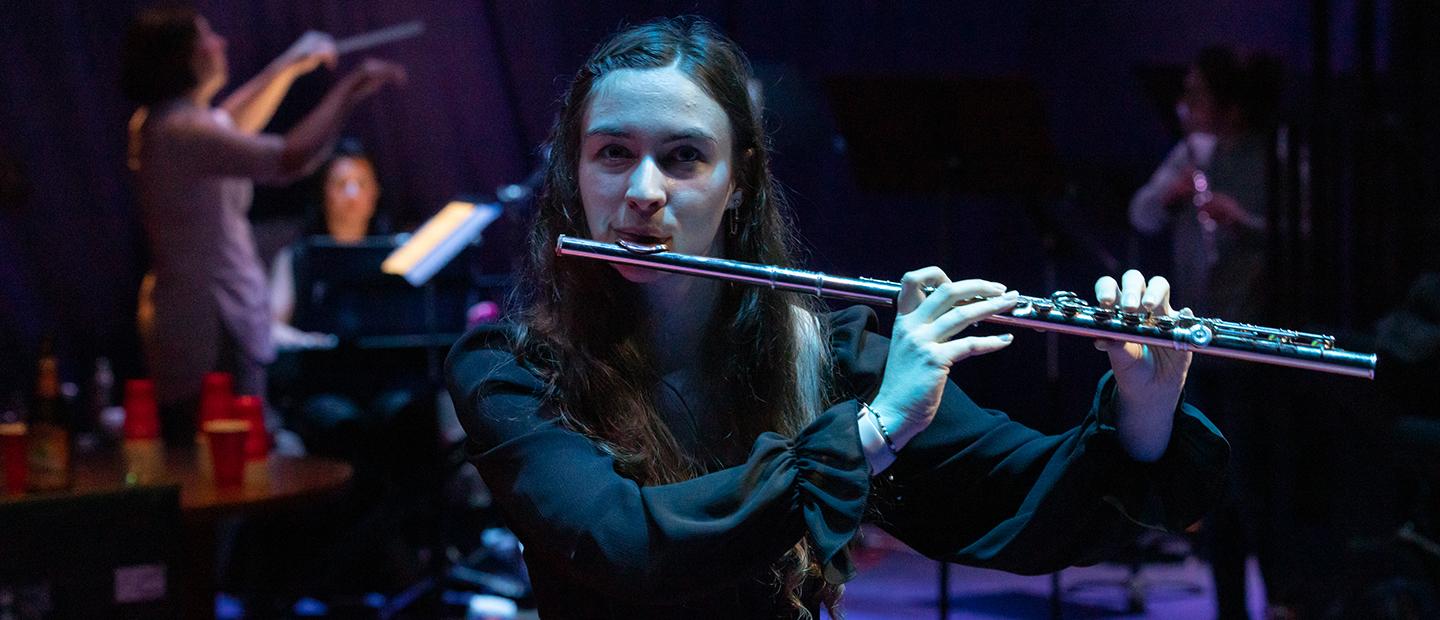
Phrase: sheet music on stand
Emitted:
{"points": [[437, 242]]}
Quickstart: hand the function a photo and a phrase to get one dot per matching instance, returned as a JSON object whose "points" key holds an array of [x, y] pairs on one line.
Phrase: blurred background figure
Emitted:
{"points": [[195, 165], [344, 397], [1211, 195], [347, 214], [1210, 192], [324, 395]]}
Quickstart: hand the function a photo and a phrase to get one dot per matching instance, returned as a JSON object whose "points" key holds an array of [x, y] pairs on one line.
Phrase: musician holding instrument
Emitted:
{"points": [[195, 164], [665, 445], [1210, 196], [346, 216], [1210, 192]]}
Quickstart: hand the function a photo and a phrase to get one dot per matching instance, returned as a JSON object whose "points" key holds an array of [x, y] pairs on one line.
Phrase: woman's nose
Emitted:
{"points": [[646, 192]]}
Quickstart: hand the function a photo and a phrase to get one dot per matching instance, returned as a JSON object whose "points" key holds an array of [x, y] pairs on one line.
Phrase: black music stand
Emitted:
{"points": [[346, 293], [963, 136], [341, 290]]}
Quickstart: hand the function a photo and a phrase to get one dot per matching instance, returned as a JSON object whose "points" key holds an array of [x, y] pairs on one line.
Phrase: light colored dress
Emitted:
{"points": [[195, 175]]}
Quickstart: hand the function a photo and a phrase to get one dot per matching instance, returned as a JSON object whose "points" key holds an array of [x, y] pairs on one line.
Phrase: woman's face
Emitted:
{"points": [[655, 164], [351, 192], [208, 62]]}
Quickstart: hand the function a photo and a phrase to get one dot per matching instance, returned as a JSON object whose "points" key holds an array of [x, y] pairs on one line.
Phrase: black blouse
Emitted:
{"points": [[974, 487]]}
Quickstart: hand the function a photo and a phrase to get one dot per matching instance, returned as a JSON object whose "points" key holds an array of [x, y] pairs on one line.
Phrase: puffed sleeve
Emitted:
{"points": [[978, 488], [561, 494]]}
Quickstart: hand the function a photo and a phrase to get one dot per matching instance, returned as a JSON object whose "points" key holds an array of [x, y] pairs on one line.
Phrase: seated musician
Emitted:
{"points": [[329, 397], [667, 446], [351, 195], [373, 408]]}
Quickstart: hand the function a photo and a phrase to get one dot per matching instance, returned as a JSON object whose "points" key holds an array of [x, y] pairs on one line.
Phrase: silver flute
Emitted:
{"points": [[1061, 312]]}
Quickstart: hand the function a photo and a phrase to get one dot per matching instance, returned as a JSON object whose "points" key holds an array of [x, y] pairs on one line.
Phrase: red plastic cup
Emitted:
{"points": [[227, 450], [252, 410], [12, 455], [217, 390], [142, 420]]}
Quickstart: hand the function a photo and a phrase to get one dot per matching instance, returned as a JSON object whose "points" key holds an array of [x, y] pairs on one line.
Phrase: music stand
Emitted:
{"points": [[456, 226], [437, 242], [342, 290]]}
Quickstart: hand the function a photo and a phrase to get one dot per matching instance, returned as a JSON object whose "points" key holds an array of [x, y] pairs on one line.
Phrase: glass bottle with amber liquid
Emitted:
{"points": [[49, 441]]}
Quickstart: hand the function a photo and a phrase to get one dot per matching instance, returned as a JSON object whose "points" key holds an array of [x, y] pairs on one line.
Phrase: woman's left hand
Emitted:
{"points": [[1149, 378]]}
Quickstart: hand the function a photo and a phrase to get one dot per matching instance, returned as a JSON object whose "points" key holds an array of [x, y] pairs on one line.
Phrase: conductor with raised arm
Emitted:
{"points": [[205, 303]]}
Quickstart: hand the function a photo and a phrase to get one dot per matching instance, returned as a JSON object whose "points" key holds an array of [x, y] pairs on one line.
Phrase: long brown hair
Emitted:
{"points": [[577, 321]]}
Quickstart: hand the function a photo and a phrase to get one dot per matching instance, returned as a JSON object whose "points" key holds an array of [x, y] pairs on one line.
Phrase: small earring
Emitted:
{"points": [[734, 210]]}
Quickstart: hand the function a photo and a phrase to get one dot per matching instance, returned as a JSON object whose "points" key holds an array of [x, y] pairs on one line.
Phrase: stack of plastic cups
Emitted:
{"points": [[257, 442], [217, 391], [144, 452], [252, 410]]}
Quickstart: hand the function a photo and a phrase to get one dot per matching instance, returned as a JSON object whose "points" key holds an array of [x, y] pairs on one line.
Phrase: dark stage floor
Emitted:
{"points": [[895, 582]]}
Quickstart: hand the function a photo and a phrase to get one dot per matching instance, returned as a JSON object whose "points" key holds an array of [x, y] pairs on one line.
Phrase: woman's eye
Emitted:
{"points": [[686, 154], [613, 151]]}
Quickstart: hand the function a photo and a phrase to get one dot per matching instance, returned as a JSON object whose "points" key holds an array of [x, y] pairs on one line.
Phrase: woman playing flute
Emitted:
{"points": [[666, 445]]}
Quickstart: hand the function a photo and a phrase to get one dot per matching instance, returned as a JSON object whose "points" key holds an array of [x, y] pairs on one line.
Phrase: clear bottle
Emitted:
{"points": [[102, 427]]}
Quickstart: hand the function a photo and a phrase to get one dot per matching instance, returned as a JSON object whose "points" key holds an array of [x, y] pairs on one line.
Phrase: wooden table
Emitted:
{"points": [[277, 483]]}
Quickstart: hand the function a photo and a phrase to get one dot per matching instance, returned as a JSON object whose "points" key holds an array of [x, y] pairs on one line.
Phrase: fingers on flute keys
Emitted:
{"points": [[956, 308], [1134, 293], [951, 306], [912, 288]]}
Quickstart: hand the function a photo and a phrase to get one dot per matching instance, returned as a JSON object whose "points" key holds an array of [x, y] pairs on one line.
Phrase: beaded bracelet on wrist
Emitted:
{"points": [[880, 426]]}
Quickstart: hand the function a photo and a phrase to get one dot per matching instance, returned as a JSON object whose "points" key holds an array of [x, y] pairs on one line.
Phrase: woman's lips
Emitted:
{"points": [[641, 238]]}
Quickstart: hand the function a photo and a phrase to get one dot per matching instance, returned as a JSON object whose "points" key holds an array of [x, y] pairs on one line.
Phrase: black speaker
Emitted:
{"points": [[98, 555]]}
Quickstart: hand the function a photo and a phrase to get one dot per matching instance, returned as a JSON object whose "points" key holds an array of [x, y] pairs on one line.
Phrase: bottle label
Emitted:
{"points": [[144, 461], [49, 461]]}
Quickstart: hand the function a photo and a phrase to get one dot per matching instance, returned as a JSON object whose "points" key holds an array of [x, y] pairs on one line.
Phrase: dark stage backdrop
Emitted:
{"points": [[484, 78]]}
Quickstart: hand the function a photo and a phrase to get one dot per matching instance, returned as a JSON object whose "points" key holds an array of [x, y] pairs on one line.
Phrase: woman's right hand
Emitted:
{"points": [[922, 349]]}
